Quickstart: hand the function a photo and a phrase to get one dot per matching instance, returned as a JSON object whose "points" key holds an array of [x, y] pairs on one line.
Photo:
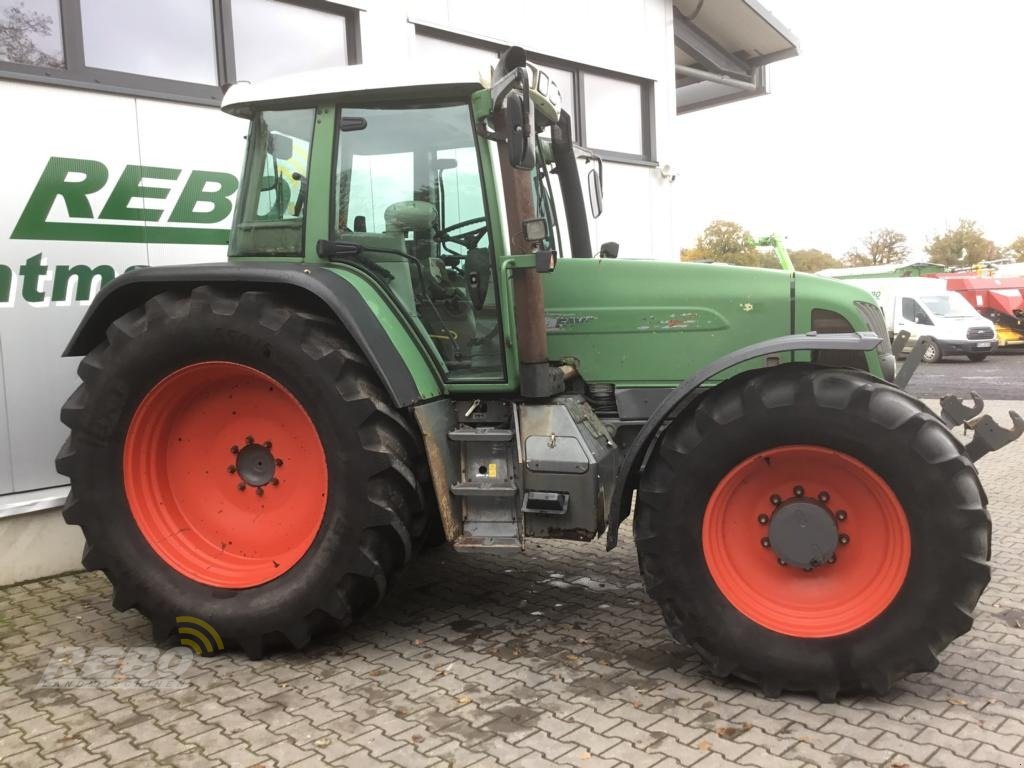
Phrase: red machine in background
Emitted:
{"points": [[1000, 299]]}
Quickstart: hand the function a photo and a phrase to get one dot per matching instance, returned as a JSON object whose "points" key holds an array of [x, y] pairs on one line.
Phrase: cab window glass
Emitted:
{"points": [[273, 205], [407, 189]]}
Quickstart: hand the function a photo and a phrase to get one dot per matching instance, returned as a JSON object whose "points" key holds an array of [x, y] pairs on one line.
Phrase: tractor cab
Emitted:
{"points": [[405, 181]]}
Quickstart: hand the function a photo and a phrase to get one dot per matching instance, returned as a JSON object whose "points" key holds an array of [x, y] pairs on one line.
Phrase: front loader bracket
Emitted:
{"points": [[989, 436], [955, 413]]}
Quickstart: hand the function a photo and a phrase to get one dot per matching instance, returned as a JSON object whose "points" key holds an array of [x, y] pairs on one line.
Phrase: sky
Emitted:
{"points": [[903, 114]]}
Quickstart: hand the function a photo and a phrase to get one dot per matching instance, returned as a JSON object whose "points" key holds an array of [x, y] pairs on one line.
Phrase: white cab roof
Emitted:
{"points": [[369, 81]]}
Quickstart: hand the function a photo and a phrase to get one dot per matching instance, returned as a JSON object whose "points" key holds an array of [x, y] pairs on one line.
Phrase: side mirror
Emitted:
{"points": [[280, 146], [596, 193], [522, 149], [609, 251]]}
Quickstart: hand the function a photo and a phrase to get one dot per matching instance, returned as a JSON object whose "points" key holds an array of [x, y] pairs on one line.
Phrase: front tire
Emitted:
{"points": [[932, 351], [233, 458], [858, 459]]}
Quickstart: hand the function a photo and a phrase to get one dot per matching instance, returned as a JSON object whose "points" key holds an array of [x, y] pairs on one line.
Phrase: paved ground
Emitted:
{"points": [[999, 377], [552, 658]]}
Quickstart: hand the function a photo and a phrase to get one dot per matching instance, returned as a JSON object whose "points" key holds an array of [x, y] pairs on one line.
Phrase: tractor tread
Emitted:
{"points": [[925, 465], [388, 449]]}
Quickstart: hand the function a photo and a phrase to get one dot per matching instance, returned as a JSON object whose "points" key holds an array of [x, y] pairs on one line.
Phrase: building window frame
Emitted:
{"points": [[648, 156], [75, 73]]}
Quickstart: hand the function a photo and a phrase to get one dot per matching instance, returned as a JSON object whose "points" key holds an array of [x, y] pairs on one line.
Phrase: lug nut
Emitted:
{"points": [[274, 481], [808, 569], [823, 497], [844, 539], [232, 469], [776, 499], [798, 490], [241, 486], [841, 515], [781, 562], [279, 462], [259, 491], [832, 560], [234, 449], [765, 542], [762, 519], [268, 445], [249, 440]]}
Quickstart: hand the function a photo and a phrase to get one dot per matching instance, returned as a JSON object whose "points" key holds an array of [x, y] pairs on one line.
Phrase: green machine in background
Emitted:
{"points": [[413, 342]]}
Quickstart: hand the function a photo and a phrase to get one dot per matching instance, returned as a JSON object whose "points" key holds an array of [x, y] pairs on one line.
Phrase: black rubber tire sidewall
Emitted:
{"points": [[943, 570], [247, 336]]}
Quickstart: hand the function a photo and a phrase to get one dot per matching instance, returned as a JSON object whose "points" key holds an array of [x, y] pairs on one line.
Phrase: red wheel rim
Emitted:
{"points": [[225, 474], [833, 598]]}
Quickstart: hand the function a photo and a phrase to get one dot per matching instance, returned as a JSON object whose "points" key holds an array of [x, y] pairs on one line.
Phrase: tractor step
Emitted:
{"points": [[480, 435], [500, 544], [486, 489], [502, 489]]}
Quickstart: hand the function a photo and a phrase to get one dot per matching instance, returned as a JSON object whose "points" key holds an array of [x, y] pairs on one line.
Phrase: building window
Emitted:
{"points": [[613, 111], [272, 38], [169, 39], [610, 111], [180, 50], [30, 33]]}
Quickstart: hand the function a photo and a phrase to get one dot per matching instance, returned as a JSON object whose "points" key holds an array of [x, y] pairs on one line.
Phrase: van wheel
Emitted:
{"points": [[977, 357], [932, 351], [234, 459], [812, 529]]}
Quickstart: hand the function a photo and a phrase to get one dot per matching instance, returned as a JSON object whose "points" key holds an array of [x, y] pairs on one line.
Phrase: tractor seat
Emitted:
{"points": [[409, 215]]}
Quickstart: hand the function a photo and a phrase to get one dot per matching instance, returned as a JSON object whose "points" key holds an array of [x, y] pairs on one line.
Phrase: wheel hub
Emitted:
{"points": [[256, 465], [803, 533]]}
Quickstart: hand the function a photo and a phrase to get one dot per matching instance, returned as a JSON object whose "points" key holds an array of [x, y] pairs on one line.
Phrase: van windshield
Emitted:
{"points": [[948, 305]]}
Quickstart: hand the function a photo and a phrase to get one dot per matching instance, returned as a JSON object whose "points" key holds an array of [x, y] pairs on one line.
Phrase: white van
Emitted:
{"points": [[923, 307]]}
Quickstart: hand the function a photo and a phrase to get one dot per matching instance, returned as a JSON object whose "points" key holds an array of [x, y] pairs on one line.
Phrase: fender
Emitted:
{"points": [[645, 439], [337, 295]]}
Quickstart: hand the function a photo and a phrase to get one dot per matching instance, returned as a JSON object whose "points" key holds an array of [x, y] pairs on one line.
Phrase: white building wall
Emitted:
{"points": [[632, 37]]}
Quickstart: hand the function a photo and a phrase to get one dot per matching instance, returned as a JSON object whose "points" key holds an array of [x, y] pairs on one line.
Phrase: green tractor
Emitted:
{"points": [[399, 351]]}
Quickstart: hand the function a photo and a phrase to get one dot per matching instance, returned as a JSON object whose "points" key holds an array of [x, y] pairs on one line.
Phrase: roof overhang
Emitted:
{"points": [[722, 48]]}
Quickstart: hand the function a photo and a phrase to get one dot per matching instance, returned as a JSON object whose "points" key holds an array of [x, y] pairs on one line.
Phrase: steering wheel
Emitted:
{"points": [[467, 240]]}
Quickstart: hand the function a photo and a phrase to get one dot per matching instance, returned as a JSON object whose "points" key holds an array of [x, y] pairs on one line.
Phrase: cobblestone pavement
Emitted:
{"points": [[555, 657]]}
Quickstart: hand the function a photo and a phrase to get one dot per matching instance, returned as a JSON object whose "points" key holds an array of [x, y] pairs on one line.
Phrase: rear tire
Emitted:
{"points": [[339, 523], [908, 579]]}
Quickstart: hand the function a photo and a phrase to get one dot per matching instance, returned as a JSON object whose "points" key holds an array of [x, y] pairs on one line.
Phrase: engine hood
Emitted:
{"points": [[651, 323]]}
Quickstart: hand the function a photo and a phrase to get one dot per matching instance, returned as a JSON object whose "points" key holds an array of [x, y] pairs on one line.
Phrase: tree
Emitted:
{"points": [[728, 242], [17, 27], [883, 246], [812, 260], [1015, 250], [962, 245]]}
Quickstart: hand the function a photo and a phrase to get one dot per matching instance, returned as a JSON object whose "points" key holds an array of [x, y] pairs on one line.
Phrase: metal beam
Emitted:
{"points": [[708, 53], [699, 74]]}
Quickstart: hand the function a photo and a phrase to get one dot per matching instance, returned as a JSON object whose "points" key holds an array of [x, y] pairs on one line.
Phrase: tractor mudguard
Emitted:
{"points": [[407, 382], [644, 441]]}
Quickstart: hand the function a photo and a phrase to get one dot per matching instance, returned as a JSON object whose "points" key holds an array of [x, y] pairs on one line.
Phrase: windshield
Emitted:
{"points": [[948, 305]]}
